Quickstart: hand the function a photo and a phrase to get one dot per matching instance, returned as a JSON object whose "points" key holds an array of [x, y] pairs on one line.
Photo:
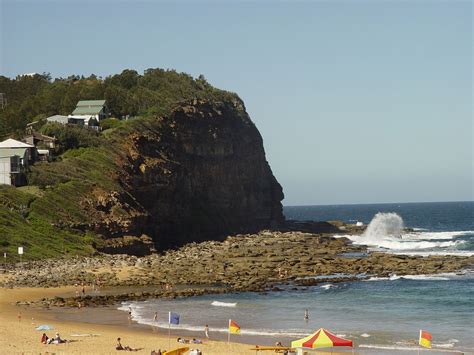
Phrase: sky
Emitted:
{"points": [[357, 101]]}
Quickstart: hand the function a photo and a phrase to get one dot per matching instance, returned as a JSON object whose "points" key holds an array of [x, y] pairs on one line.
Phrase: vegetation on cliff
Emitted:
{"points": [[129, 188], [156, 92]]}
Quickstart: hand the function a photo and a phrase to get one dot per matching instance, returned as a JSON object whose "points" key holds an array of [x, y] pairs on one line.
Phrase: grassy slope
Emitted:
{"points": [[22, 225], [33, 217]]}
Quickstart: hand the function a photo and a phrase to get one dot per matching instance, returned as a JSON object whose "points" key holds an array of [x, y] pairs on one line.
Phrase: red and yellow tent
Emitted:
{"points": [[321, 339]]}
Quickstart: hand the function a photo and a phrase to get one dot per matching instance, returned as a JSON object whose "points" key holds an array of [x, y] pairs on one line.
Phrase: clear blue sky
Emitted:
{"points": [[357, 101]]}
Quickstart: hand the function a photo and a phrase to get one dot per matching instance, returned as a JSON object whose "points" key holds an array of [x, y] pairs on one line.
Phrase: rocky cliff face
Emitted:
{"points": [[196, 175]]}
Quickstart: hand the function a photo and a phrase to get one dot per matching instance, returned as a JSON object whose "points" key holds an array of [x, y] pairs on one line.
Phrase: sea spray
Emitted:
{"points": [[386, 232], [384, 225]]}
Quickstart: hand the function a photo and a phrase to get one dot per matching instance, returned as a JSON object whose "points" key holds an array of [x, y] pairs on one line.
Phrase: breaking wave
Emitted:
{"points": [[223, 304], [386, 232]]}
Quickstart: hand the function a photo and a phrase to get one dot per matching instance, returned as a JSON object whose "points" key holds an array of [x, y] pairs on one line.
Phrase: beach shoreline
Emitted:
{"points": [[19, 320], [19, 335]]}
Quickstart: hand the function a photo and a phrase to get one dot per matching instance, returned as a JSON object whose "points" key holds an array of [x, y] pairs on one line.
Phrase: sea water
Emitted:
{"points": [[381, 315]]}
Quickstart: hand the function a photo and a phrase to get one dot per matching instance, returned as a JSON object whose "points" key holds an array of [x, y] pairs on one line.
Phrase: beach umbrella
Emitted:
{"points": [[44, 327], [320, 339]]}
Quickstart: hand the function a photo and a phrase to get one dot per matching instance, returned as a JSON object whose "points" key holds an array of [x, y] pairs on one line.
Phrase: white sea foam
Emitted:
{"points": [[408, 348], [386, 232], [387, 347], [223, 304], [443, 345], [365, 335], [327, 286], [434, 253], [426, 277], [422, 277]]}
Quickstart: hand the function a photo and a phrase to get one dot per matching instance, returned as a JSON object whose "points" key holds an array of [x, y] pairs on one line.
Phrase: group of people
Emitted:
{"points": [[56, 340], [186, 341]]}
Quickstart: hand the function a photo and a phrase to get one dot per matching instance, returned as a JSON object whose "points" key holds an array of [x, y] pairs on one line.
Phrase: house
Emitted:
{"points": [[92, 111], [66, 120], [15, 158], [44, 145]]}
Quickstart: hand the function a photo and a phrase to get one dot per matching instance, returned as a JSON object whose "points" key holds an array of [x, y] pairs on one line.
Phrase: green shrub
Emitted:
{"points": [[109, 123], [71, 136]]}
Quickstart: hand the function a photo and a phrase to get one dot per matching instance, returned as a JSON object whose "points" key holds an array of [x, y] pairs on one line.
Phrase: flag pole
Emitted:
{"points": [[418, 347], [169, 330]]}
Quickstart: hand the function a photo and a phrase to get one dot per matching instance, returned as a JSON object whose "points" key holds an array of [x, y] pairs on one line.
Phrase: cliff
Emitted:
{"points": [[198, 173]]}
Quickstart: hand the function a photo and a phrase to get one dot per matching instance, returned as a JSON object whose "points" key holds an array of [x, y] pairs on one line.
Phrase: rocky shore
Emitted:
{"points": [[265, 261]]}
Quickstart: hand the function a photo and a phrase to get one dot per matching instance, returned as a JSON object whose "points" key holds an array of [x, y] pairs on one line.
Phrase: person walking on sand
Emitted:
{"points": [[206, 331]]}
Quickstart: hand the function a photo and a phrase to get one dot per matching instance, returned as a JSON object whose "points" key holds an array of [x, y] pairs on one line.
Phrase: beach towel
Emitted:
{"points": [[44, 327]]}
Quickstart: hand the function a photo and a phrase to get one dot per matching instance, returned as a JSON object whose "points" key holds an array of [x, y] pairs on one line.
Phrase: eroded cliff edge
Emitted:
{"points": [[197, 174], [202, 175]]}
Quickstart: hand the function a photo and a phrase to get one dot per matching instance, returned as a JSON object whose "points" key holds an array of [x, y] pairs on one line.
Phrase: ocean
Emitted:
{"points": [[381, 315]]}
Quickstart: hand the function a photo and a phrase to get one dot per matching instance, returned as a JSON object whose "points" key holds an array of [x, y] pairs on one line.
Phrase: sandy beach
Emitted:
{"points": [[18, 335]]}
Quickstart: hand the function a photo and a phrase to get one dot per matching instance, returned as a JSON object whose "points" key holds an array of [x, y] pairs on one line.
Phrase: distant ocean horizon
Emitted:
{"points": [[372, 203], [381, 315]]}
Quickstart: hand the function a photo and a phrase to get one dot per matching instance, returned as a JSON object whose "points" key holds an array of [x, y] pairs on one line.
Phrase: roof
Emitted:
{"points": [[90, 103], [57, 118], [6, 153], [87, 110], [89, 107], [41, 137], [13, 143]]}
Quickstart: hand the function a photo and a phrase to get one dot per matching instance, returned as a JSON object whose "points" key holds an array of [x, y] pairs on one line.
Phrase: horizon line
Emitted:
{"points": [[376, 203]]}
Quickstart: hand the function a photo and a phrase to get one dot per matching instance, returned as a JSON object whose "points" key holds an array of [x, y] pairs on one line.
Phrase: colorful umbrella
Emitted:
{"points": [[321, 339]]}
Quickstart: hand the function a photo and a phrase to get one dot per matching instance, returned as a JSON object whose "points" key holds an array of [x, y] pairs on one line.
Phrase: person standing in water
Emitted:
{"points": [[306, 315], [206, 331], [155, 317]]}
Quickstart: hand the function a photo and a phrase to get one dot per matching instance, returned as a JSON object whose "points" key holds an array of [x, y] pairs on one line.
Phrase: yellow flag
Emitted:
{"points": [[425, 339], [233, 327]]}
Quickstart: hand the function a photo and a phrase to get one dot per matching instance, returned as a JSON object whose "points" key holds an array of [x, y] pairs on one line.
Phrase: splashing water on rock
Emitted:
{"points": [[384, 225]]}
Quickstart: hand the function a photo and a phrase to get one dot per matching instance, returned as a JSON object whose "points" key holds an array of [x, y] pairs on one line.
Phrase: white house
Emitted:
{"points": [[66, 120], [14, 162], [91, 111]]}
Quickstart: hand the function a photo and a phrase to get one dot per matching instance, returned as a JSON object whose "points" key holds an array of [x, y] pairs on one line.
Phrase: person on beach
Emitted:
{"points": [[120, 347], [57, 340], [306, 315], [155, 317], [44, 339], [206, 331]]}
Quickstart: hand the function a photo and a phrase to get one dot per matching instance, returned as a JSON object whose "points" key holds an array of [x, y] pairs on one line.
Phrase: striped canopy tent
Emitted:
{"points": [[321, 339]]}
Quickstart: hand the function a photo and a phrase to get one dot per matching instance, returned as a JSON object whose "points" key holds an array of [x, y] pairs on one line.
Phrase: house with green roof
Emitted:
{"points": [[91, 111]]}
